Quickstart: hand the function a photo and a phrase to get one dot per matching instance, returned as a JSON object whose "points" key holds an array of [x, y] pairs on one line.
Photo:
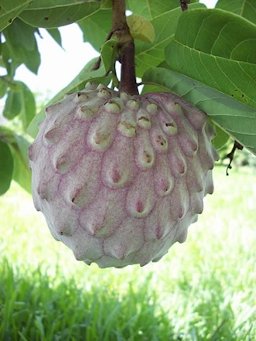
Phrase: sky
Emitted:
{"points": [[59, 66]]}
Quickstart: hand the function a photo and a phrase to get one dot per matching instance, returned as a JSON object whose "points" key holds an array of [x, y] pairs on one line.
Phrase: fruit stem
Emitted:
{"points": [[126, 48]]}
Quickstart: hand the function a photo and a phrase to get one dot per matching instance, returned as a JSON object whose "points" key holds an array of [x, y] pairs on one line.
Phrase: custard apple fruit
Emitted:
{"points": [[120, 178]]}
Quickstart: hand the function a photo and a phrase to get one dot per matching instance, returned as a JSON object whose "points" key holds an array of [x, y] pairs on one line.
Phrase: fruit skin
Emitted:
{"points": [[120, 178]]}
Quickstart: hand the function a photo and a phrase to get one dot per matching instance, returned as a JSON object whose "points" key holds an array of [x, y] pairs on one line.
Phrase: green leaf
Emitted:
{"points": [[237, 119], [96, 27], [45, 4], [152, 54], [150, 9], [6, 167], [28, 104], [219, 49], [221, 138], [78, 83], [18, 145], [6, 61], [9, 10], [13, 104], [21, 170], [141, 28], [20, 101], [55, 34], [106, 4], [58, 15], [109, 53], [22, 45], [245, 8]]}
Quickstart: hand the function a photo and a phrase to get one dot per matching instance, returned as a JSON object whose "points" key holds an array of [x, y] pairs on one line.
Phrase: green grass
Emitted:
{"points": [[39, 308], [204, 289]]}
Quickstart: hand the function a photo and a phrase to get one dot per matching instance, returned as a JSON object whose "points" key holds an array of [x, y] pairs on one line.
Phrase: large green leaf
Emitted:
{"points": [[152, 8], [245, 8], [6, 167], [46, 4], [60, 15], [22, 45], [219, 49], [9, 10], [96, 27], [236, 118], [152, 54], [85, 75]]}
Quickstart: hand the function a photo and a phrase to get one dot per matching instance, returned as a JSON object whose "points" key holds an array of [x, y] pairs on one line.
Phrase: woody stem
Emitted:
{"points": [[126, 48]]}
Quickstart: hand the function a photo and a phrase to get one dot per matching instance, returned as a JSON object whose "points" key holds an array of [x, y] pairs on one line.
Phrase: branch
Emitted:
{"points": [[118, 15], [126, 47]]}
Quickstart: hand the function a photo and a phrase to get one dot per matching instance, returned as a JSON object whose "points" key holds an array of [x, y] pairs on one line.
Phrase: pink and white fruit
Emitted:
{"points": [[120, 178]]}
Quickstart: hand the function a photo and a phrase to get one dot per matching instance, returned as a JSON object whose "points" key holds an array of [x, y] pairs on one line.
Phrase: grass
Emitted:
{"points": [[204, 289], [37, 308]]}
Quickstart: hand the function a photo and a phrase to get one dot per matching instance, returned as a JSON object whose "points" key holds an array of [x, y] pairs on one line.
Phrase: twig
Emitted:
{"points": [[231, 155]]}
